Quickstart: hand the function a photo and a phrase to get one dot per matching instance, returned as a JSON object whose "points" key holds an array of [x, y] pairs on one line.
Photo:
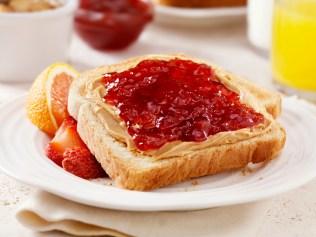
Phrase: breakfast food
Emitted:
{"points": [[47, 109], [202, 3], [28, 5], [157, 120], [46, 104]]}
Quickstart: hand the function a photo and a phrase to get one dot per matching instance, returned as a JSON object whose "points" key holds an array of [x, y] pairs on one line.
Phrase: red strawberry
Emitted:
{"points": [[80, 162], [52, 154], [66, 137], [69, 151]]}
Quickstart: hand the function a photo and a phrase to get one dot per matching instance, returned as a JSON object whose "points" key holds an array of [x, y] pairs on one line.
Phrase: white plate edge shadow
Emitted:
{"points": [[184, 17], [200, 12]]}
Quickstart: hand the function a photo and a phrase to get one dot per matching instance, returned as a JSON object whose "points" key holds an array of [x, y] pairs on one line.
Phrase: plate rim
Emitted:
{"points": [[200, 13]]}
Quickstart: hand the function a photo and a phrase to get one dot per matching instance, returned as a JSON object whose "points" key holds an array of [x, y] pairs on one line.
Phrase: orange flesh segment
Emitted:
{"points": [[59, 97]]}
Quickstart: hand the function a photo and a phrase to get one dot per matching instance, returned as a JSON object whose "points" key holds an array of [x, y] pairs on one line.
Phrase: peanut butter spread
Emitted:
{"points": [[94, 91]]}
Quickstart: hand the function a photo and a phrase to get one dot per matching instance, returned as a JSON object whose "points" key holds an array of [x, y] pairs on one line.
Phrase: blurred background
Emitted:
{"points": [[269, 42]]}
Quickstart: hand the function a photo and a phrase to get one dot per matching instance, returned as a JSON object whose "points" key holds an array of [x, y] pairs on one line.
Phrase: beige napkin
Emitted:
{"points": [[46, 212]]}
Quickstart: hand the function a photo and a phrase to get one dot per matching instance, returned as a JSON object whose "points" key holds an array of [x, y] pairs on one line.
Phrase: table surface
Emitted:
{"points": [[290, 214]]}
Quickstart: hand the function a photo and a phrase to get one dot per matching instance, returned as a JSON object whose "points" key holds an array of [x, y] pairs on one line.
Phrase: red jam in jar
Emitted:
{"points": [[112, 24], [163, 101]]}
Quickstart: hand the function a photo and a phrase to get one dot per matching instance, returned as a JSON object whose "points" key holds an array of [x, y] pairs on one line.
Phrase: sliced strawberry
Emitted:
{"points": [[69, 151], [54, 155], [80, 162], [66, 137]]}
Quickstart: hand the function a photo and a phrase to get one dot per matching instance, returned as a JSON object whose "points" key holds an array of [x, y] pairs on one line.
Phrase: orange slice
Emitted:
{"points": [[46, 104]]}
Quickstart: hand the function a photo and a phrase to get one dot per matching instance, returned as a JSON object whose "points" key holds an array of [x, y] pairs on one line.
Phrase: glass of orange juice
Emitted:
{"points": [[293, 52]]}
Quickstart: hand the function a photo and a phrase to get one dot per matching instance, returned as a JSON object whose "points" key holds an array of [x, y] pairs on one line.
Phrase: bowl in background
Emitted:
{"points": [[29, 41]]}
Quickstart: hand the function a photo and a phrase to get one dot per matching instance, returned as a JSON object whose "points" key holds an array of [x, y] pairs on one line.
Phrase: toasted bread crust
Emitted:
{"points": [[140, 172]]}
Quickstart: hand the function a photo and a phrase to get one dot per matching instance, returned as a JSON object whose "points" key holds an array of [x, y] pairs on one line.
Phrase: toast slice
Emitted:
{"points": [[139, 171]]}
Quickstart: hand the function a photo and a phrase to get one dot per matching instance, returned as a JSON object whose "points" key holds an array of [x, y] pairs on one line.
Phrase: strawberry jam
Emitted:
{"points": [[163, 101]]}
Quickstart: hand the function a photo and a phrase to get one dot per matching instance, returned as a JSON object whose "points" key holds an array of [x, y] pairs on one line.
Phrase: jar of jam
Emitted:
{"points": [[112, 24]]}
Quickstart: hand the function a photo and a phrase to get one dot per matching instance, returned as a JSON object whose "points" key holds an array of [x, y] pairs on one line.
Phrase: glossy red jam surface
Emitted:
{"points": [[163, 101], [112, 24]]}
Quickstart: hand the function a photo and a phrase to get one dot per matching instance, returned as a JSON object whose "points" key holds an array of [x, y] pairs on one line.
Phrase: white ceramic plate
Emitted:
{"points": [[21, 156], [197, 17]]}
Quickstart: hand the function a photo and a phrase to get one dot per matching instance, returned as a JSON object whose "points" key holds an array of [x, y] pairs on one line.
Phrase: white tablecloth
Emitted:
{"points": [[291, 214]]}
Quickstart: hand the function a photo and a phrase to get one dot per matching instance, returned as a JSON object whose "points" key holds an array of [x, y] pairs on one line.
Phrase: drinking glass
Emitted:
{"points": [[293, 52]]}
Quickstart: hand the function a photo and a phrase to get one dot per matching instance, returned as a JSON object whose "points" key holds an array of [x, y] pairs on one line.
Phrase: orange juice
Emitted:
{"points": [[294, 44]]}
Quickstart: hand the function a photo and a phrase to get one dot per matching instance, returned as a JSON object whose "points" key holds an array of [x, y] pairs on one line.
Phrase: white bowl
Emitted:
{"points": [[31, 41]]}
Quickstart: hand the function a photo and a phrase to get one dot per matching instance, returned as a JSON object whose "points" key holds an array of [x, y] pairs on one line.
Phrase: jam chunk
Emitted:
{"points": [[162, 101]]}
